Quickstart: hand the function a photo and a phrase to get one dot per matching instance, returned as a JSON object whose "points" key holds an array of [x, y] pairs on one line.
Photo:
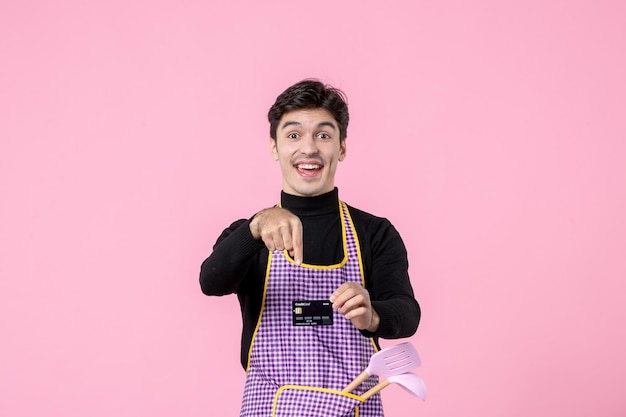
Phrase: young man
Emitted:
{"points": [[318, 281]]}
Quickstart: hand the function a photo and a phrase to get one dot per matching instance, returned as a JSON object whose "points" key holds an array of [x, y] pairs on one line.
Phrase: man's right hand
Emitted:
{"points": [[279, 229]]}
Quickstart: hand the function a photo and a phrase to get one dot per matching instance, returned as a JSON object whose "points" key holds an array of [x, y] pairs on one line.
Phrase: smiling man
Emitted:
{"points": [[308, 147], [319, 281]]}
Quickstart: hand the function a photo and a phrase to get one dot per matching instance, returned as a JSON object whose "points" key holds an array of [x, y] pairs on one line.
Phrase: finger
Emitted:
{"points": [[335, 297], [356, 313], [272, 242], [286, 239], [343, 301], [353, 303], [269, 244], [342, 288], [296, 241], [279, 244]]}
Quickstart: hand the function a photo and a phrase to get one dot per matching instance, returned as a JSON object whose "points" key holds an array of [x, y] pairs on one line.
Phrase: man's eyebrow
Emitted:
{"points": [[295, 123], [329, 124], [290, 123]]}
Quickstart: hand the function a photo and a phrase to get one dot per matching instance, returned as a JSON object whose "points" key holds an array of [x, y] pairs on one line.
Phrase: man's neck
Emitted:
{"points": [[321, 204]]}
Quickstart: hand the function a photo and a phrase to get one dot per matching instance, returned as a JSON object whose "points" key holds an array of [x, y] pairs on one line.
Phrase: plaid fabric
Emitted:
{"points": [[326, 357]]}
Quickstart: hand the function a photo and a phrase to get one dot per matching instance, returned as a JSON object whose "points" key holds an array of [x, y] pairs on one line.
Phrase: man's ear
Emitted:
{"points": [[274, 149], [342, 150]]}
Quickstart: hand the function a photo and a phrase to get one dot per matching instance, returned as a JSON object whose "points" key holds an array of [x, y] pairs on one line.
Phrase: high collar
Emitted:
{"points": [[311, 206]]}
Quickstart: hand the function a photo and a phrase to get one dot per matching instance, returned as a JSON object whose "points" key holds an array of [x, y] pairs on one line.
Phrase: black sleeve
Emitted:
{"points": [[224, 270], [387, 280]]}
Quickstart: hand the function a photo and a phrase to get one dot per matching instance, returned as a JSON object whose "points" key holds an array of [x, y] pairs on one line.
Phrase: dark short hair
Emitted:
{"points": [[311, 94]]}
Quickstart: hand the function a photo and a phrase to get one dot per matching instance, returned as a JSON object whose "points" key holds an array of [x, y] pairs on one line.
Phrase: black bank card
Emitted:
{"points": [[312, 313]]}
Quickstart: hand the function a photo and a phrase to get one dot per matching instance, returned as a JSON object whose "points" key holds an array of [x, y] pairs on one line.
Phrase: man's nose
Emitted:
{"points": [[308, 145]]}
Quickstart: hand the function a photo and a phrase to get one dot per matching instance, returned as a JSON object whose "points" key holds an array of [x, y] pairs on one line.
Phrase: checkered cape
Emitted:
{"points": [[299, 371]]}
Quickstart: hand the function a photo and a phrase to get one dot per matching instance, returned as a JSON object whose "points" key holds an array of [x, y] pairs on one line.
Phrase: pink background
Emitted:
{"points": [[491, 133]]}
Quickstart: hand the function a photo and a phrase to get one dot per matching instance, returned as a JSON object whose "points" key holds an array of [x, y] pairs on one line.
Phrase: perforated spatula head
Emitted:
{"points": [[387, 362], [393, 360]]}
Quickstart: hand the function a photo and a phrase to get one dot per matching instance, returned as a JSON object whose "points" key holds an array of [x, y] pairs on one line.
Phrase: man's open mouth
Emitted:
{"points": [[308, 166], [308, 169]]}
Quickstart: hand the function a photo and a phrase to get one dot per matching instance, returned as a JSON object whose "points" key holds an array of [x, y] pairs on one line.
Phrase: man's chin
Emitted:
{"points": [[306, 191]]}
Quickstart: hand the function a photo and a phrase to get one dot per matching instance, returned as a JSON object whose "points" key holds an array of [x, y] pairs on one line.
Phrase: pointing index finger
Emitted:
{"points": [[297, 243]]}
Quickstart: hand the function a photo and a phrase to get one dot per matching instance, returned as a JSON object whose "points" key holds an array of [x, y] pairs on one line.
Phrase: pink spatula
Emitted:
{"points": [[387, 362], [408, 381]]}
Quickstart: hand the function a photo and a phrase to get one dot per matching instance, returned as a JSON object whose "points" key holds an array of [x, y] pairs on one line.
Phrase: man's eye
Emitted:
{"points": [[292, 136], [324, 136]]}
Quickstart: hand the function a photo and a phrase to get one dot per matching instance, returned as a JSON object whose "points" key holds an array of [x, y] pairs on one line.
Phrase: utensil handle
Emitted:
{"points": [[356, 382], [376, 388]]}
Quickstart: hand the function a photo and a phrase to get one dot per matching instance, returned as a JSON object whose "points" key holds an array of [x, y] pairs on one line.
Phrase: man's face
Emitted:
{"points": [[308, 149]]}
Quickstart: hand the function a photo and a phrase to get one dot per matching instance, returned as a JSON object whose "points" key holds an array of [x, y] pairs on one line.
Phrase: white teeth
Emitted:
{"points": [[308, 166]]}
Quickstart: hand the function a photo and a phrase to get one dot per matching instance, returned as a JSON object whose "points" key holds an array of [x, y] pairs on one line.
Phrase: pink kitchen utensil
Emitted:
{"points": [[408, 381], [387, 362]]}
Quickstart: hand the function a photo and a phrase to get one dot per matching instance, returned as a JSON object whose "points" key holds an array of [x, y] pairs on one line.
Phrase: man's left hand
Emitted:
{"points": [[353, 301]]}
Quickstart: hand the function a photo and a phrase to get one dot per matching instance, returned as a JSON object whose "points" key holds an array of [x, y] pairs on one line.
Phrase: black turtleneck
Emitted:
{"points": [[238, 264], [321, 226]]}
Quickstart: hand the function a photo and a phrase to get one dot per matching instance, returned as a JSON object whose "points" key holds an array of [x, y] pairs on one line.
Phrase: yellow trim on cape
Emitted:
{"points": [[343, 241], [358, 251], [258, 323], [307, 388]]}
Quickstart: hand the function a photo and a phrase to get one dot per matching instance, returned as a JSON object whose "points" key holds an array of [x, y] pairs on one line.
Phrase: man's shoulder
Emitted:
{"points": [[237, 223], [366, 218], [374, 231]]}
